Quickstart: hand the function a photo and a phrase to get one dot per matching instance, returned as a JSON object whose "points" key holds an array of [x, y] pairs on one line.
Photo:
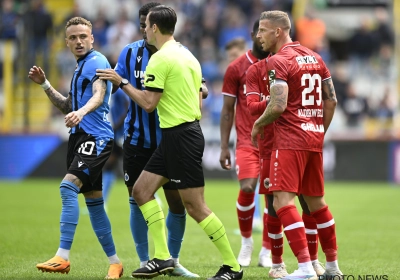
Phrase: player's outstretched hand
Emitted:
{"points": [[225, 159], [110, 75], [37, 75]]}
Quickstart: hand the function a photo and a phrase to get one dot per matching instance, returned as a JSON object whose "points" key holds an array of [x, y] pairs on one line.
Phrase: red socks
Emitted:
{"points": [[326, 232], [312, 235], [245, 207], [276, 236], [294, 231]]}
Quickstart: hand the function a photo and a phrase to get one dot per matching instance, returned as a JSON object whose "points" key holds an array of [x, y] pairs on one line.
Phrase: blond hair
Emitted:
{"points": [[77, 21], [277, 18]]}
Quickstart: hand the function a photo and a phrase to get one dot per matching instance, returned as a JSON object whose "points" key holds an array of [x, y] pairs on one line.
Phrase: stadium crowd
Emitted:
{"points": [[207, 26]]}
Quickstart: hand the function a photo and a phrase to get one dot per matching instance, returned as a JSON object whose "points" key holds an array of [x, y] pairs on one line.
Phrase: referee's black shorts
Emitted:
{"points": [[179, 156], [86, 158], [134, 160]]}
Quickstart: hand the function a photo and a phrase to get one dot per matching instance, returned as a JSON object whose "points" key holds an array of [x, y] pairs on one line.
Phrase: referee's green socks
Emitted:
{"points": [[154, 217], [215, 230]]}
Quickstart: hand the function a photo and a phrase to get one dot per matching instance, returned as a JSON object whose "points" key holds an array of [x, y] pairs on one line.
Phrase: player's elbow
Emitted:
{"points": [[330, 104], [279, 109], [149, 108]]}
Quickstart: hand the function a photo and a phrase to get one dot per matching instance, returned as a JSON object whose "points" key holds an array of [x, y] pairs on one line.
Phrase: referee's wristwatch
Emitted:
{"points": [[123, 83]]}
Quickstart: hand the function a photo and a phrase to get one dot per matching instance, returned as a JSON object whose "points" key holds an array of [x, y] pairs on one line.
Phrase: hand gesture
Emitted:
{"points": [[225, 159], [37, 75]]}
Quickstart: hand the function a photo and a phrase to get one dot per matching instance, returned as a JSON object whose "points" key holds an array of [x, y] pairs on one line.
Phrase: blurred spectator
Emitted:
{"points": [[8, 20], [38, 25], [386, 107], [235, 48], [99, 30], [209, 59], [233, 25], [120, 33], [361, 48], [75, 12], [340, 79], [213, 103], [310, 31], [355, 107]]}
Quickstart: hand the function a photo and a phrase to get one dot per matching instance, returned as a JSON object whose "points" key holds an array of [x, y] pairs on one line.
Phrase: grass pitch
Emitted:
{"points": [[366, 215]]}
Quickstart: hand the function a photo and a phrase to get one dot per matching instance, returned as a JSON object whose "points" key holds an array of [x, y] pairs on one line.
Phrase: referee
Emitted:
{"points": [[172, 82]]}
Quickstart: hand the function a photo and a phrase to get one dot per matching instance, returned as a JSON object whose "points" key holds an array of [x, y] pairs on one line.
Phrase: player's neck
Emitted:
{"points": [[284, 41], [152, 49], [162, 39]]}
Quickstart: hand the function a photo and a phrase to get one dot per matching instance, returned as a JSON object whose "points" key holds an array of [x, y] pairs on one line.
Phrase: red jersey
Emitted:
{"points": [[235, 86], [300, 127], [257, 93]]}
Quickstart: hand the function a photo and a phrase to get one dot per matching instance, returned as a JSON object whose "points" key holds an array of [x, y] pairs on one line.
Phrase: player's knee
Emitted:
{"points": [[247, 188]]}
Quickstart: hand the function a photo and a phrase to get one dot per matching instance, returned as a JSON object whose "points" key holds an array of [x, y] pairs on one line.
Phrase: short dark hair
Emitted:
{"points": [[256, 25], [164, 17], [236, 42], [144, 10]]}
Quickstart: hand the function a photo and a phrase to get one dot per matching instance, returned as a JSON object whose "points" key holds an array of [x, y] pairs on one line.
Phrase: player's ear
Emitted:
{"points": [[91, 38], [66, 42]]}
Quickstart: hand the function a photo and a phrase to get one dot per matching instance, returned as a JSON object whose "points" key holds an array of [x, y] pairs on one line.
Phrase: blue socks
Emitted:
{"points": [[176, 224], [108, 180], [139, 231], [101, 224], [69, 213]]}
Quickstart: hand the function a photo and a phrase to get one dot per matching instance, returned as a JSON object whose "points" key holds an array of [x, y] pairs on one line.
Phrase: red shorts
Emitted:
{"points": [[300, 172], [264, 173], [247, 163]]}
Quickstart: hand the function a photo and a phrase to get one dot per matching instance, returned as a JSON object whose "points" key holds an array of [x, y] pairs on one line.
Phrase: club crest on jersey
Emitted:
{"points": [[271, 77]]}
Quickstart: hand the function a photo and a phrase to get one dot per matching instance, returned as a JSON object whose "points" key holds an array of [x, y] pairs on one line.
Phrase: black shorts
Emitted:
{"points": [[86, 157], [135, 159], [179, 156]]}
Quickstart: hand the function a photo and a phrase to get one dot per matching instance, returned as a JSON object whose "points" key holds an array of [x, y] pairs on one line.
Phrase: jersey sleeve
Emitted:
{"points": [[120, 67], [277, 69], [96, 62], [255, 106], [156, 73], [231, 82]]}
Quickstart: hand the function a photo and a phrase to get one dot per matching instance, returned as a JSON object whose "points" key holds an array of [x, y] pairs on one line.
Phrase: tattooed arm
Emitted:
{"points": [[226, 122], [276, 106], [64, 104], [99, 90], [329, 98]]}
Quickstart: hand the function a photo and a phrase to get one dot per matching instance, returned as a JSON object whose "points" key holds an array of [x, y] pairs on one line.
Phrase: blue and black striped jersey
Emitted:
{"points": [[95, 123], [141, 129]]}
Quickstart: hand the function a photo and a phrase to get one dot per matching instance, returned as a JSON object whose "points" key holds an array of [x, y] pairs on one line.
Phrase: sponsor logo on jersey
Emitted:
{"points": [[139, 74], [175, 181], [139, 58], [126, 177], [80, 163], [313, 127], [310, 113], [308, 59]]}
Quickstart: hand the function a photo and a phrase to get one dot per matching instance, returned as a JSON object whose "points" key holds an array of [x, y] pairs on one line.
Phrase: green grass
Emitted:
{"points": [[366, 215]]}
